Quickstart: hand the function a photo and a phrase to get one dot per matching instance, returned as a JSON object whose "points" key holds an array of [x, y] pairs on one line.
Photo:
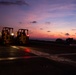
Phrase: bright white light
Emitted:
{"points": [[12, 34]]}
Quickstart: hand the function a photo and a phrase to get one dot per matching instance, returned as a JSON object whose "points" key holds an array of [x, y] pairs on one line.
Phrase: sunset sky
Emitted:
{"points": [[45, 19]]}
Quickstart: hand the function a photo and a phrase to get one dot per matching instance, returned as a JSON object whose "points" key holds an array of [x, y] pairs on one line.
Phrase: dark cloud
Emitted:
{"points": [[18, 2], [47, 22], [48, 31], [61, 32], [41, 28], [73, 35], [67, 34], [20, 22], [73, 29], [34, 22]]}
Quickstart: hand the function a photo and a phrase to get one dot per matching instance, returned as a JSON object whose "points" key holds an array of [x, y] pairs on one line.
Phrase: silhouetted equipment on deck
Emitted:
{"points": [[22, 36], [7, 35], [18, 2]]}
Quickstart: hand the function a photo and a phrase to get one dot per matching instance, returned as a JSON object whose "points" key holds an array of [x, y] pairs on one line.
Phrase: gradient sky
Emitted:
{"points": [[45, 19]]}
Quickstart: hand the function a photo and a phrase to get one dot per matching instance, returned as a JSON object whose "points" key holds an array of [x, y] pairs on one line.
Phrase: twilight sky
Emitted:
{"points": [[45, 19]]}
